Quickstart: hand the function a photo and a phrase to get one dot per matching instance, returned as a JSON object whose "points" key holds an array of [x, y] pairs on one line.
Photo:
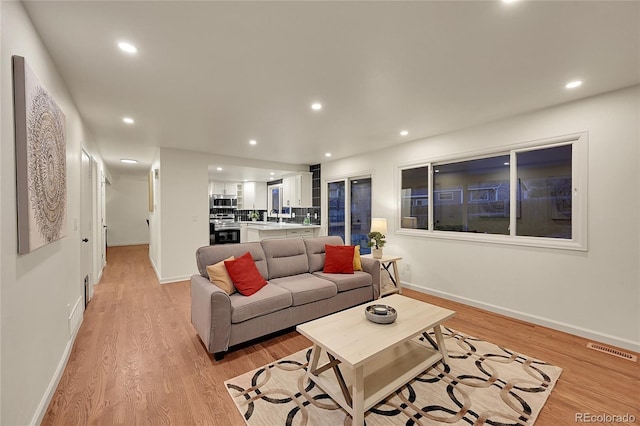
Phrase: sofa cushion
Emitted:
{"points": [[338, 259], [315, 250], [244, 274], [210, 255], [219, 276], [270, 298], [306, 288], [285, 257], [346, 282]]}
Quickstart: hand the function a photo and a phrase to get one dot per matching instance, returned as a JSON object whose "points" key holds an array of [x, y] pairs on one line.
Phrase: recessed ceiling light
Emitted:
{"points": [[573, 84], [270, 178], [404, 133], [252, 142], [127, 47], [272, 173], [509, 1], [219, 169], [316, 106], [128, 161], [328, 154], [128, 120]]}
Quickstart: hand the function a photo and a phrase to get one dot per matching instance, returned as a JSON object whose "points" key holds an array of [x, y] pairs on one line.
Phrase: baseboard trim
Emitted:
{"points": [[57, 375], [166, 280], [174, 279], [534, 319], [75, 317], [155, 268], [141, 243]]}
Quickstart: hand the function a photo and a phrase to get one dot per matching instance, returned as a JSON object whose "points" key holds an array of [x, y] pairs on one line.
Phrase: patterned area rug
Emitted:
{"points": [[483, 384]]}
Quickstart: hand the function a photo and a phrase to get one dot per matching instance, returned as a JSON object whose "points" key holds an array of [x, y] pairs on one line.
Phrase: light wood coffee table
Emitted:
{"points": [[368, 361]]}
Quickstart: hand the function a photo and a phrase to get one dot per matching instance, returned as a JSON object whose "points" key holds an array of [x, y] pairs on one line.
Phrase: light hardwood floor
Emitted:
{"points": [[138, 360]]}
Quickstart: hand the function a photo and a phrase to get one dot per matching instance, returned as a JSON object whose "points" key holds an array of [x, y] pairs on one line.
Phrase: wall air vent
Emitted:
{"points": [[612, 351]]}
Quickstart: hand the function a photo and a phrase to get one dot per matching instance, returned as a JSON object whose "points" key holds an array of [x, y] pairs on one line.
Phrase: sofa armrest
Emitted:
{"points": [[372, 266], [210, 314]]}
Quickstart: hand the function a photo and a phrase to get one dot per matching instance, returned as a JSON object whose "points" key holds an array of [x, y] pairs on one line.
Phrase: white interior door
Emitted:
{"points": [[96, 229], [102, 258], [86, 227]]}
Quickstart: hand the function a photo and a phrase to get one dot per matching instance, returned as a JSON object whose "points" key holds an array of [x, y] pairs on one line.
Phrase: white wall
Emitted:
{"points": [[155, 247], [596, 293], [38, 289], [184, 221], [127, 210], [180, 224]]}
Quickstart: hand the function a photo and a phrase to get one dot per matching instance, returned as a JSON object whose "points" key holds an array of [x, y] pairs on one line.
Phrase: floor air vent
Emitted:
{"points": [[612, 351]]}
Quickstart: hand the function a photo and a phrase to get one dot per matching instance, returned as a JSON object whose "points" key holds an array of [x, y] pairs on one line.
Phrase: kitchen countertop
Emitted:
{"points": [[272, 226]]}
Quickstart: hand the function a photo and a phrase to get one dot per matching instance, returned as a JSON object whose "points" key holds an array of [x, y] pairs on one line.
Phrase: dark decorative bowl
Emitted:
{"points": [[380, 314]]}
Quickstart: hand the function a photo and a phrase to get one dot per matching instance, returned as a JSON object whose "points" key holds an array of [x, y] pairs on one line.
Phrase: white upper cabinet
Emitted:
{"points": [[296, 190], [223, 188], [254, 196]]}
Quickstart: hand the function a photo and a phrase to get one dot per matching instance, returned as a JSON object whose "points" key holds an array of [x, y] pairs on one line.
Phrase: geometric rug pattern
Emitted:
{"points": [[483, 384]]}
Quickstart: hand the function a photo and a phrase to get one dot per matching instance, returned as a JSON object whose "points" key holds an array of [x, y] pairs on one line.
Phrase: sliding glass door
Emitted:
{"points": [[349, 210], [336, 225]]}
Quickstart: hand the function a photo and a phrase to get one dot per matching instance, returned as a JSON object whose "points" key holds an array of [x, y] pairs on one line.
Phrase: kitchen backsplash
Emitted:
{"points": [[300, 213]]}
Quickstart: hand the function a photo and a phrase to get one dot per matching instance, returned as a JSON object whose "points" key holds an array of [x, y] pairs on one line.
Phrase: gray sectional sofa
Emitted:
{"points": [[297, 290]]}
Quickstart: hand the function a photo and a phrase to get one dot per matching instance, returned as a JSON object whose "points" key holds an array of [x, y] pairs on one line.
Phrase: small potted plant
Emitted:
{"points": [[377, 241], [254, 215]]}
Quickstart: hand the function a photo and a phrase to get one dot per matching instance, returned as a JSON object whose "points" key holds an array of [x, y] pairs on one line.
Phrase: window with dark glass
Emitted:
{"points": [[336, 211], [472, 196], [536, 189], [544, 192], [414, 198], [349, 211], [360, 213]]}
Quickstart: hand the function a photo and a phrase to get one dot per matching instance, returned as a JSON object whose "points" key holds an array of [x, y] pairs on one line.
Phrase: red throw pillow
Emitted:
{"points": [[338, 259], [245, 274]]}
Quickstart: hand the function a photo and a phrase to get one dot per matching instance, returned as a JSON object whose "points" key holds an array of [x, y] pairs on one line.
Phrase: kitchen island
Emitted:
{"points": [[258, 230]]}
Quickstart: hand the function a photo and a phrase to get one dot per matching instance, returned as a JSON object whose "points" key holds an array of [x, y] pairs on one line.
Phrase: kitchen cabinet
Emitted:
{"points": [[254, 196], [304, 233], [296, 190], [257, 231], [223, 188], [244, 233]]}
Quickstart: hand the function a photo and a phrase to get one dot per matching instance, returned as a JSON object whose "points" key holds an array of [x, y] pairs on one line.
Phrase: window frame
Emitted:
{"points": [[579, 181]]}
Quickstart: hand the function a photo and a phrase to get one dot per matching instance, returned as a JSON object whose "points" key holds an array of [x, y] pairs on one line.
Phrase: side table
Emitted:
{"points": [[387, 261]]}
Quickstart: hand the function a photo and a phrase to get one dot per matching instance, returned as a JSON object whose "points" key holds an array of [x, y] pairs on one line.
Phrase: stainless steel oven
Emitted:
{"points": [[226, 236], [223, 229]]}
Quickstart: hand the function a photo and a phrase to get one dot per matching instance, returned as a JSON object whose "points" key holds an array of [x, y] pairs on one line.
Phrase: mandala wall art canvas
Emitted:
{"points": [[41, 175]]}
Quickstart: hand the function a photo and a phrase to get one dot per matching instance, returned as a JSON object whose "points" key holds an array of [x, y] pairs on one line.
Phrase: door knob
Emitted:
{"points": [[85, 240]]}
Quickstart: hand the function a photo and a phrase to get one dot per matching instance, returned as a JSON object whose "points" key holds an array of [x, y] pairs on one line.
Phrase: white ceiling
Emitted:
{"points": [[210, 76]]}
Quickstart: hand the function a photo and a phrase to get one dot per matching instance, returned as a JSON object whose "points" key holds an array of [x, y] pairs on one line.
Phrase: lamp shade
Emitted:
{"points": [[379, 224]]}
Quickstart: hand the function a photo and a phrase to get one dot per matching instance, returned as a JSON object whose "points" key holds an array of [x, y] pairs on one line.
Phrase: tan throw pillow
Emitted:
{"points": [[357, 263], [219, 276]]}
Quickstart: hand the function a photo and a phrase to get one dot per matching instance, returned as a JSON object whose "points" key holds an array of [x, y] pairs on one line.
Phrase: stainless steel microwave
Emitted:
{"points": [[227, 202]]}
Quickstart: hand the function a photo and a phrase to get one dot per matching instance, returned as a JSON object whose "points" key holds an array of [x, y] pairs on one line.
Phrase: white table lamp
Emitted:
{"points": [[379, 224]]}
